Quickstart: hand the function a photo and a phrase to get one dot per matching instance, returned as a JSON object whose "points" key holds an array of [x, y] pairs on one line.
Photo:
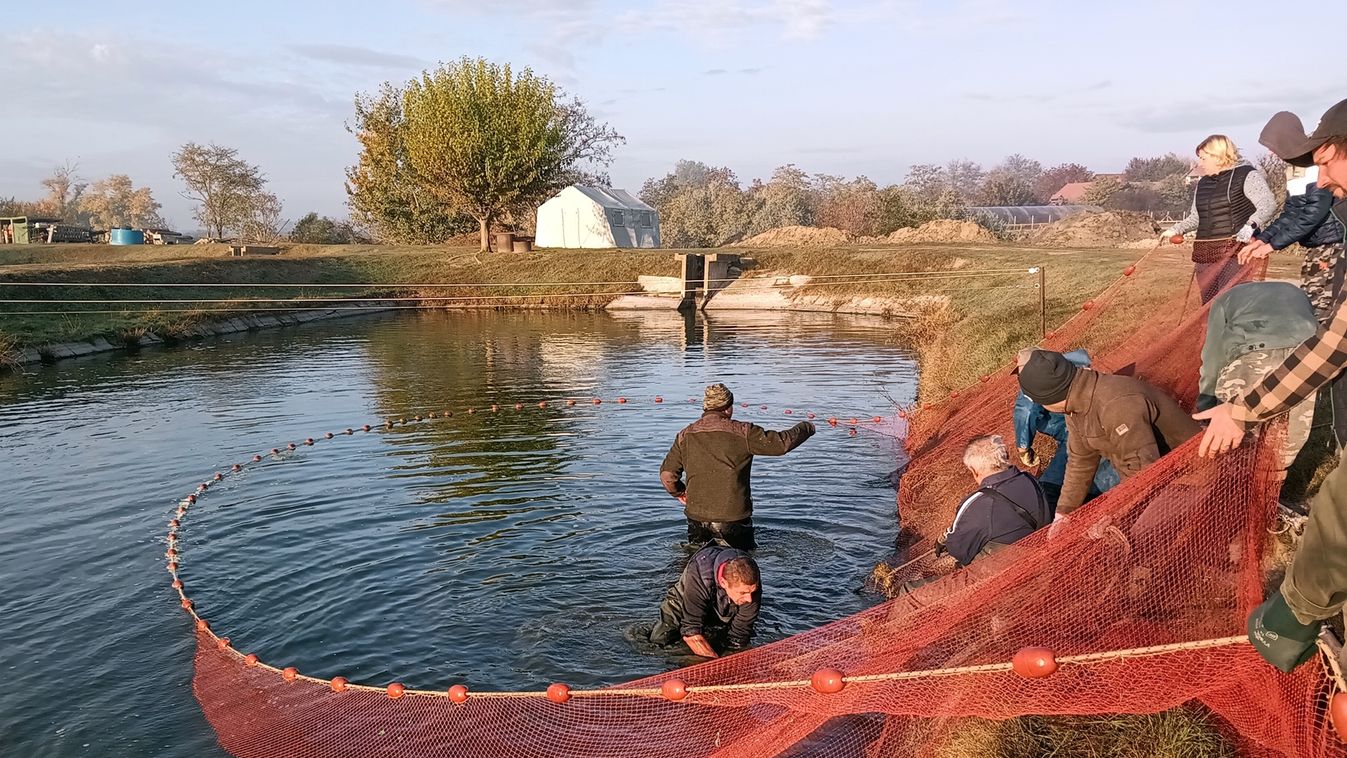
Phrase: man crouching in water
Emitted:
{"points": [[717, 597]]}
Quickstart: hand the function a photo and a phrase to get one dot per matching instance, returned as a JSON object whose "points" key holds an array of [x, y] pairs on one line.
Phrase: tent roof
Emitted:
{"points": [[612, 198]]}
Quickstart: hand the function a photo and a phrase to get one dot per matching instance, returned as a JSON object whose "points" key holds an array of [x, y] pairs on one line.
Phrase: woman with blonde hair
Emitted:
{"points": [[1231, 199]]}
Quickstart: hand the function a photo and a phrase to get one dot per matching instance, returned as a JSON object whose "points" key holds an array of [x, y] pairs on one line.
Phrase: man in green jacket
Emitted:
{"points": [[1121, 418], [716, 454]]}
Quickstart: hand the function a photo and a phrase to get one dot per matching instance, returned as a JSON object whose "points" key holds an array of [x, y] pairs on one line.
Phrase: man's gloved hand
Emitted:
{"points": [[940, 547], [1028, 457], [1278, 636]]}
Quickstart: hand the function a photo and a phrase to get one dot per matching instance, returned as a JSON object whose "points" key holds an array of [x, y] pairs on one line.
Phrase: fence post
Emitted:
{"points": [[1043, 301]]}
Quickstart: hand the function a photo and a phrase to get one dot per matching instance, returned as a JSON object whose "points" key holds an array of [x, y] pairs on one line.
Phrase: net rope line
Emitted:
{"points": [[223, 643], [935, 274]]}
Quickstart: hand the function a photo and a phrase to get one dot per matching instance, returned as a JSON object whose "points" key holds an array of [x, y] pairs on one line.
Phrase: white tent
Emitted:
{"points": [[596, 217]]}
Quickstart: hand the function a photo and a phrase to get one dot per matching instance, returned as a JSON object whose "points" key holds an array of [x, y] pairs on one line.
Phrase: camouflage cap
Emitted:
{"points": [[718, 397]]}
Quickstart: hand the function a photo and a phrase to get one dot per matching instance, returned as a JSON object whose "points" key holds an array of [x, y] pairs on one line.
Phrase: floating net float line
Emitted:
{"points": [[853, 424]]}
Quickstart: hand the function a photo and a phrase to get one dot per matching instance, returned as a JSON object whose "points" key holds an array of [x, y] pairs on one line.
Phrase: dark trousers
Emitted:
{"points": [[737, 534], [667, 631]]}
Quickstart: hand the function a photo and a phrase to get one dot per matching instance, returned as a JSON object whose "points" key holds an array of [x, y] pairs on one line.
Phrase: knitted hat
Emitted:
{"points": [[1046, 377], [718, 397]]}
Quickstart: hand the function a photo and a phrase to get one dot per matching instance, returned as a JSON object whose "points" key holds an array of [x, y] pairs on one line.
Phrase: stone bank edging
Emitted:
{"points": [[249, 323]]}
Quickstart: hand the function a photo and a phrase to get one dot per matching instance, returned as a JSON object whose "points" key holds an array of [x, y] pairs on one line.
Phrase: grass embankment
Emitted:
{"points": [[967, 325]]}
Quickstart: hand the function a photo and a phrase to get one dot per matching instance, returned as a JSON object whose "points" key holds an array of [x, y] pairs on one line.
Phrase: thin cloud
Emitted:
{"points": [[715, 72], [349, 55]]}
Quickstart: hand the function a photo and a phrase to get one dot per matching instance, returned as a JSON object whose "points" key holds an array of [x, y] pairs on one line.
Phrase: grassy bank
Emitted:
{"points": [[970, 318]]}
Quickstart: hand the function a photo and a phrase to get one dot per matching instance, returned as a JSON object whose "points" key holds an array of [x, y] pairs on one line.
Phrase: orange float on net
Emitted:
{"points": [[674, 689], [176, 584], [762, 407], [338, 684], [1176, 239], [458, 693], [597, 401], [174, 523], [328, 435], [621, 401], [1087, 305], [308, 440], [832, 422], [878, 419], [558, 692], [250, 660], [172, 567], [659, 399], [984, 378], [570, 403], [827, 681], [519, 406], [417, 418], [402, 421], [218, 477], [495, 408], [1129, 270], [789, 412], [257, 459], [741, 405], [191, 498], [852, 422], [289, 673], [542, 404], [366, 427], [222, 643], [448, 414], [926, 406], [172, 554], [1034, 662], [851, 432], [430, 415], [236, 468], [902, 413], [187, 603], [809, 415], [202, 625], [395, 690], [275, 451], [1337, 714], [290, 446], [472, 411]]}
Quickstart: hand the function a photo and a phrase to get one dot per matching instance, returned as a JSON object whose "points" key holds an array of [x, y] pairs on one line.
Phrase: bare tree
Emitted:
{"points": [[229, 192], [64, 188]]}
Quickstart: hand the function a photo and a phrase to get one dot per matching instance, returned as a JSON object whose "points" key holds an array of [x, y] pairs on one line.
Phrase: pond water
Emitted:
{"points": [[503, 550]]}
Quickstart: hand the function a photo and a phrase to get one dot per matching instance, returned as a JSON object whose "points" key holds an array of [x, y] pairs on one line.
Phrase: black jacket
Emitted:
{"points": [[1306, 219], [988, 516], [705, 603]]}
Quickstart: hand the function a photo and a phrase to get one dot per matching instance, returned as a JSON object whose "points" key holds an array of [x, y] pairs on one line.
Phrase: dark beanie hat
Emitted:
{"points": [[1046, 377]]}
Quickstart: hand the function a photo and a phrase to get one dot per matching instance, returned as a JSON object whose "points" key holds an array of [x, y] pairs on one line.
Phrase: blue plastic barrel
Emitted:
{"points": [[126, 237]]}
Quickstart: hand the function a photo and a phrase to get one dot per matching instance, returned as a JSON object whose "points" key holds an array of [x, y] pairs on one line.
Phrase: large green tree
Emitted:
{"points": [[485, 139], [385, 198]]}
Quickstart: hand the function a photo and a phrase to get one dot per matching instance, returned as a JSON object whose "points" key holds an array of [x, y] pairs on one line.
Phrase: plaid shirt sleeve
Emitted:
{"points": [[1311, 366]]}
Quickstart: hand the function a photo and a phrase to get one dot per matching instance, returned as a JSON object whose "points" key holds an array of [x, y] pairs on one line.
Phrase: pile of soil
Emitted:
{"points": [[941, 230], [797, 236], [1101, 229]]}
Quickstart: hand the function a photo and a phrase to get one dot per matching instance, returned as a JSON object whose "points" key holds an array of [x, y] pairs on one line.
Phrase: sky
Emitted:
{"points": [[867, 87]]}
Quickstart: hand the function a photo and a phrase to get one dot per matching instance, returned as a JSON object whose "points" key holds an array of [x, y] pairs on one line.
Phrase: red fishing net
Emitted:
{"points": [[1141, 599]]}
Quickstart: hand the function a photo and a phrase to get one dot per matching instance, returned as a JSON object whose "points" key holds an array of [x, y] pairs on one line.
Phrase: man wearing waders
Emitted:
{"points": [[1283, 629], [715, 600], [716, 454]]}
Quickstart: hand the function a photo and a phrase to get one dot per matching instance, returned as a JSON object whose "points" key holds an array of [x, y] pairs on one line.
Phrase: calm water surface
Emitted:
{"points": [[503, 551]]}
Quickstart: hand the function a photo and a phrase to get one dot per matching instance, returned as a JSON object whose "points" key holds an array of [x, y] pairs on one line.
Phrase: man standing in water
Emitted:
{"points": [[716, 453]]}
